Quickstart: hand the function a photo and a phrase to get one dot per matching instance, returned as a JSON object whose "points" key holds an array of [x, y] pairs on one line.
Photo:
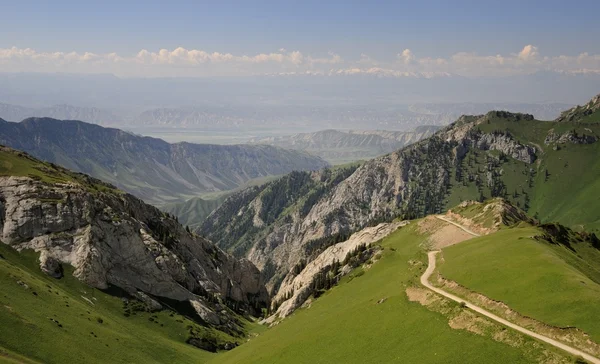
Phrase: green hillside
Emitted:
{"points": [[561, 185], [564, 184], [347, 324], [40, 314], [15, 163], [558, 284]]}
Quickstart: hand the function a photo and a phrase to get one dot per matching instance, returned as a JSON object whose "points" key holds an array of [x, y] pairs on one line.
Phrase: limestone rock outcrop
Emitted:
{"points": [[114, 239], [299, 285]]}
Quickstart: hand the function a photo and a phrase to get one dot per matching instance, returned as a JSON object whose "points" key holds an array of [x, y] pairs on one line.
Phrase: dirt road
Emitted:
{"points": [[425, 281]]}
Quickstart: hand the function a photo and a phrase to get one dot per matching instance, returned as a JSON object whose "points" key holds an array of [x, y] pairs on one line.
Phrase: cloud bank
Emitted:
{"points": [[197, 63]]}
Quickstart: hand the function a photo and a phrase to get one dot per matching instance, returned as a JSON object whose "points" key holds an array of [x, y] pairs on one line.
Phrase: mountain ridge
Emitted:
{"points": [[150, 168], [499, 154], [92, 115]]}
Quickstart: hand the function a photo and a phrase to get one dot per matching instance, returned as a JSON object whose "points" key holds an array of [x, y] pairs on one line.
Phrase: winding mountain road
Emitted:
{"points": [[425, 281]]}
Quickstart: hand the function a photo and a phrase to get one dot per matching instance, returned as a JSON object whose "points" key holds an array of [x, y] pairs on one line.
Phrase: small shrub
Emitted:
{"points": [[100, 320]]}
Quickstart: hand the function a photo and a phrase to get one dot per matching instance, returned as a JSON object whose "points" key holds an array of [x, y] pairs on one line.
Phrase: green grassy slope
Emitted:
{"points": [[568, 192], [346, 325], [7, 356], [592, 118], [548, 282], [15, 163], [94, 325], [563, 184], [571, 193]]}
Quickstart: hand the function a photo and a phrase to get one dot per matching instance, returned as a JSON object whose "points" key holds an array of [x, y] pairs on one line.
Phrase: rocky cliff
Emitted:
{"points": [[298, 284], [114, 239]]}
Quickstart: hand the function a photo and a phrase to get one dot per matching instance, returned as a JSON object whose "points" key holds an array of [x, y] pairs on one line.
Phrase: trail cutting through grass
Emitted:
{"points": [[425, 282], [457, 225]]}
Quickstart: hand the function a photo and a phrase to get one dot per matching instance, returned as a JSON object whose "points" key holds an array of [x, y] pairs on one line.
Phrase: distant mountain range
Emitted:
{"points": [[111, 92], [337, 146], [63, 112], [337, 117], [150, 168], [221, 117], [299, 103]]}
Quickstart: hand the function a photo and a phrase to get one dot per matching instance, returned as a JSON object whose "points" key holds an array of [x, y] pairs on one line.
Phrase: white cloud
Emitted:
{"points": [[407, 56], [528, 53], [193, 62]]}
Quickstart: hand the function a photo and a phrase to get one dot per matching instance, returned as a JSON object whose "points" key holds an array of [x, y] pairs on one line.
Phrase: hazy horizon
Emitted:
{"points": [[270, 67]]}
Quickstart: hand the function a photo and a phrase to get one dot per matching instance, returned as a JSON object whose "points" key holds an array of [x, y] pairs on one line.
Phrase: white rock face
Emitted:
{"points": [[300, 284], [116, 239], [507, 145]]}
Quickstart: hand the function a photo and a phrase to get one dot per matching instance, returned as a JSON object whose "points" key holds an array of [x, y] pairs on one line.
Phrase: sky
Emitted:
{"points": [[322, 38]]}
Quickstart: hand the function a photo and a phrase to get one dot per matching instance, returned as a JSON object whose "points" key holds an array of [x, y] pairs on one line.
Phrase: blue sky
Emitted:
{"points": [[378, 29]]}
